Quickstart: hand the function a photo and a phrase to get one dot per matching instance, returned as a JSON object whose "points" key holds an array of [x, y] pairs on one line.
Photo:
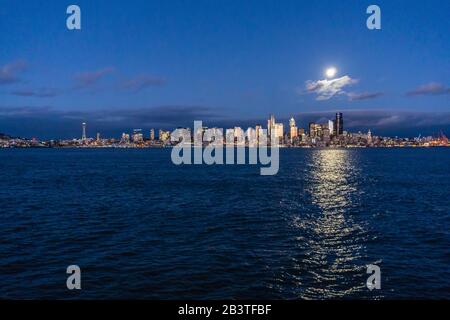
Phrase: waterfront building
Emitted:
{"points": [[198, 135], [212, 135], [125, 138], [229, 137], [137, 135], [164, 135]]}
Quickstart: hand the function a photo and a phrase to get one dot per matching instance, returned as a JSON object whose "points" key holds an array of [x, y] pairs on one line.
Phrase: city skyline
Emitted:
{"points": [[355, 122], [158, 64], [330, 133]]}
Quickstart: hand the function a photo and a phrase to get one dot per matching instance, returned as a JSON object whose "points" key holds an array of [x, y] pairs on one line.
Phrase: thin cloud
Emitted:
{"points": [[9, 73], [353, 96], [55, 123], [394, 120], [327, 89], [25, 111], [142, 82], [91, 78], [39, 93], [432, 88], [170, 116]]}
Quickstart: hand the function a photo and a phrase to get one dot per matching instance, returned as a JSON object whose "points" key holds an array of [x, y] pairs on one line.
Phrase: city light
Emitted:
{"points": [[329, 134]]}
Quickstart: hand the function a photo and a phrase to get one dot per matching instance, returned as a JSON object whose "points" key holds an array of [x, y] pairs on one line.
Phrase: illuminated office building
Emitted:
{"points": [[137, 135], [125, 137], [331, 126], [164, 135], [293, 130], [278, 132], [275, 130], [315, 130]]}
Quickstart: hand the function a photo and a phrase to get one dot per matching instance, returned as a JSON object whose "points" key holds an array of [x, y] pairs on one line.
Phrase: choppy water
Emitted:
{"points": [[140, 227]]}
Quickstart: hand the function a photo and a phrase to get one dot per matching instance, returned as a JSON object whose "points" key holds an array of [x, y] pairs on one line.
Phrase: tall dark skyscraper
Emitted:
{"points": [[338, 124]]}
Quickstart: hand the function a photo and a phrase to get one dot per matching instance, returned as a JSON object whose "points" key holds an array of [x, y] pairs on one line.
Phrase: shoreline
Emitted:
{"points": [[246, 147]]}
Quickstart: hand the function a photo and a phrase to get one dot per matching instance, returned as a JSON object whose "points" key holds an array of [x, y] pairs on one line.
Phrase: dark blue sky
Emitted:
{"points": [[165, 63]]}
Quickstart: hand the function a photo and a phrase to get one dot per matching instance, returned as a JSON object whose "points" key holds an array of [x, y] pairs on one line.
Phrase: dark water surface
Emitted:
{"points": [[141, 227]]}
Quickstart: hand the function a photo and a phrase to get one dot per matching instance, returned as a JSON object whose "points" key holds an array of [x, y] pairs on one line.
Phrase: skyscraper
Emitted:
{"points": [[338, 124], [258, 130], [312, 129], [331, 126], [137, 135], [83, 134], [270, 125], [125, 137], [152, 134], [275, 130], [239, 136], [293, 131]]}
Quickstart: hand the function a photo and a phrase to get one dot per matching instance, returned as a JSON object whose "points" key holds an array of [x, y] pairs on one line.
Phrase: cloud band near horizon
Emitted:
{"points": [[47, 122]]}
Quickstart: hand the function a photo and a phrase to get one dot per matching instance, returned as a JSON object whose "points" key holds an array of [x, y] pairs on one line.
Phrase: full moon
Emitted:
{"points": [[331, 72]]}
